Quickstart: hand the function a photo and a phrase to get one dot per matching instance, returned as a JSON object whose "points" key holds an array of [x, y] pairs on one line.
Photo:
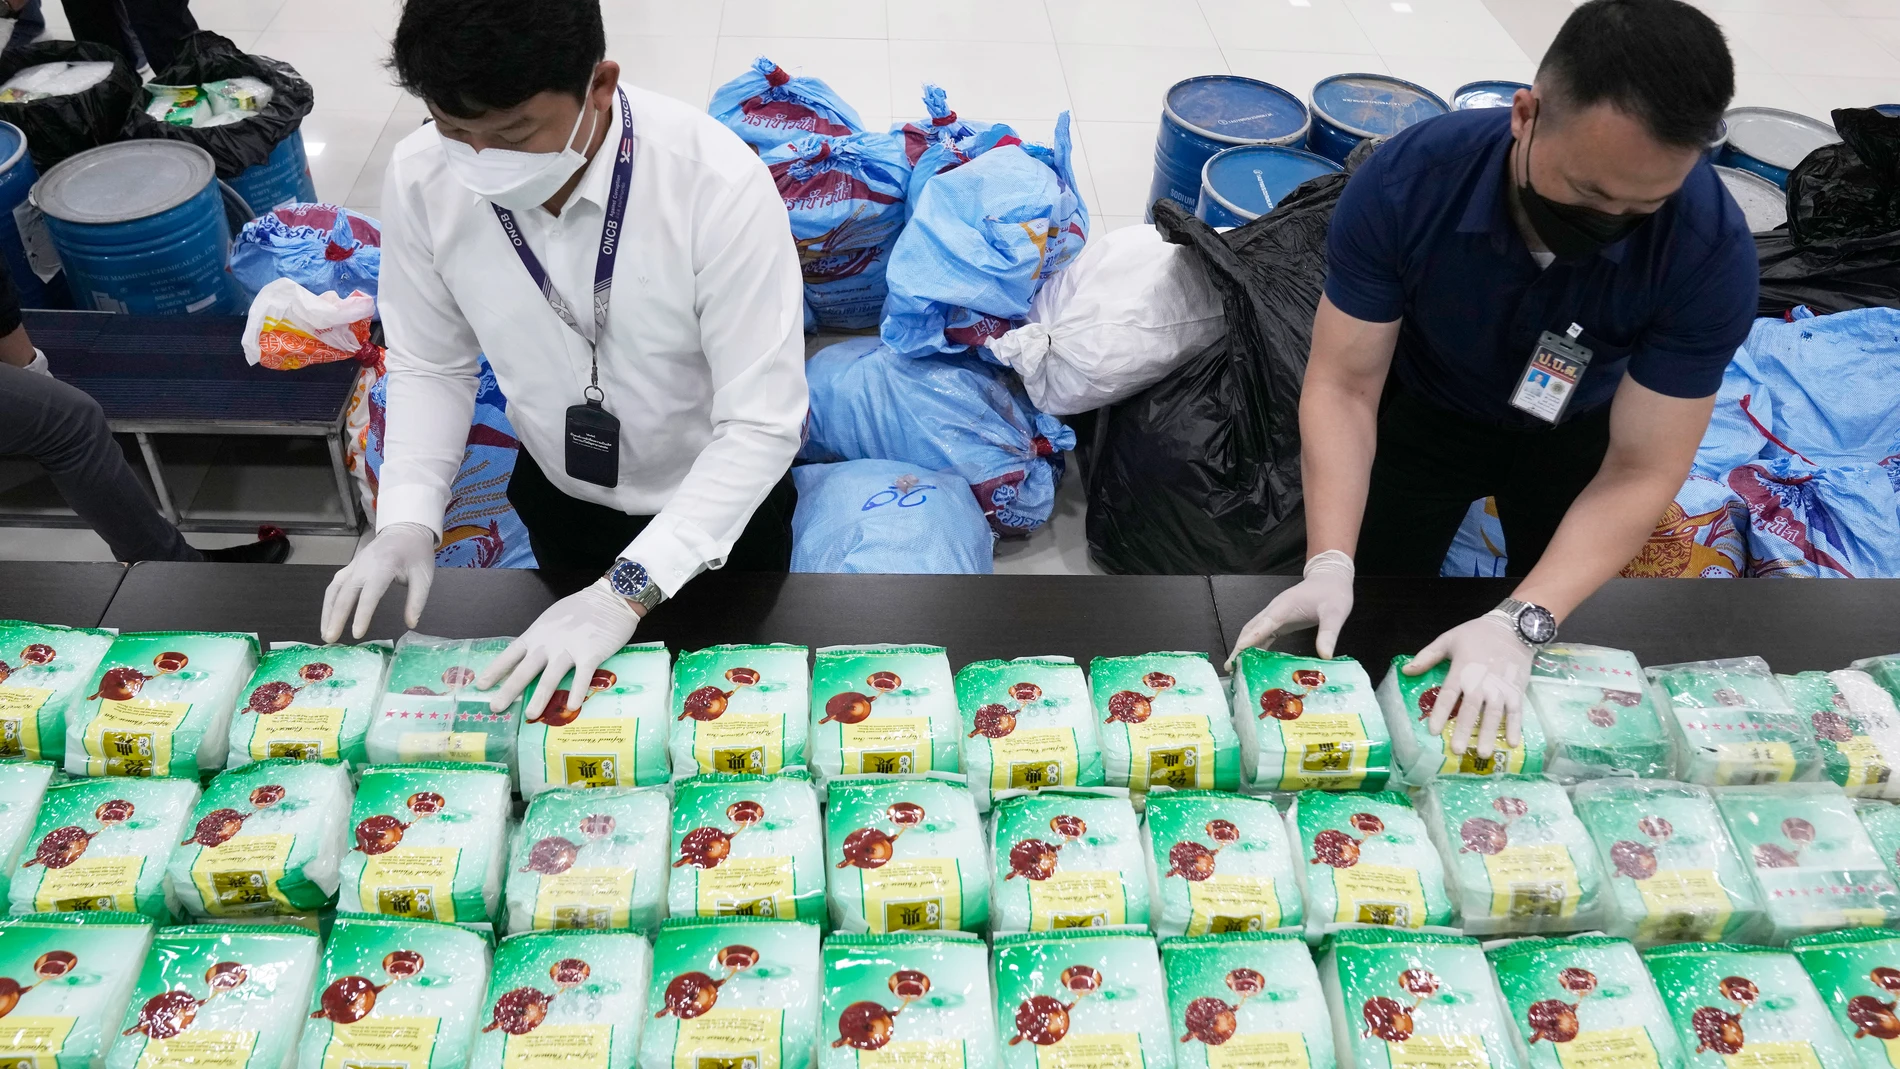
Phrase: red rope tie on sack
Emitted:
{"points": [[1765, 432], [944, 120], [335, 253], [1042, 446], [777, 78]]}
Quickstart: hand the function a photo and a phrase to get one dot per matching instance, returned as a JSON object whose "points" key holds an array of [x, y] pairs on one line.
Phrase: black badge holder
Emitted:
{"points": [[1551, 376], [593, 438]]}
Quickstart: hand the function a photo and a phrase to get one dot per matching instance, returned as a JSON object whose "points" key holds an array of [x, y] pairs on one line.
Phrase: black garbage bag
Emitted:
{"points": [[58, 127], [1841, 247], [1827, 276], [1200, 473], [207, 57]]}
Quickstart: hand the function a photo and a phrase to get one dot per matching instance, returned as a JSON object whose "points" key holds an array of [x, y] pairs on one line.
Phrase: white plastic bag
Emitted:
{"points": [[1129, 310], [290, 327]]}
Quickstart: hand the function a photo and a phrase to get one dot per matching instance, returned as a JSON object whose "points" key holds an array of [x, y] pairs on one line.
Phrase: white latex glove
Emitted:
{"points": [[1323, 596], [1490, 666], [578, 632], [400, 553]]}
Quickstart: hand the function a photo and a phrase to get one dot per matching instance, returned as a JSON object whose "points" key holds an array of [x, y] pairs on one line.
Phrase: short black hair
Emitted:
{"points": [[1661, 61], [470, 57]]}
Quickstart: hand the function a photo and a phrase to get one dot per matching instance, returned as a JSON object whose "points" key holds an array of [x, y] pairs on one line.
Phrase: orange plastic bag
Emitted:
{"points": [[290, 327]]}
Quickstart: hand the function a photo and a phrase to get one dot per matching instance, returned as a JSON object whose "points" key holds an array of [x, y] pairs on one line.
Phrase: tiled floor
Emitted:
{"points": [[1023, 61]]}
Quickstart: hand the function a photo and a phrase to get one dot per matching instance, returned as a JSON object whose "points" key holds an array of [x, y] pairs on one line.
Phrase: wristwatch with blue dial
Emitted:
{"points": [[631, 581], [1534, 624]]}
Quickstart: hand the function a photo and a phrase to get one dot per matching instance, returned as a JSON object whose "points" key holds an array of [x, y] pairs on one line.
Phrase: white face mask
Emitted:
{"points": [[518, 180]]}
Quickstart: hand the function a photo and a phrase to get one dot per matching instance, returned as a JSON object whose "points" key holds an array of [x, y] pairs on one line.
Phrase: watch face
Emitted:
{"points": [[629, 578], [1537, 625]]}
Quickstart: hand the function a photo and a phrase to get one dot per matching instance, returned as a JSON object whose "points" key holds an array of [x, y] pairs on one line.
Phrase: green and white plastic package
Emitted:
{"points": [[1597, 715], [1585, 1000], [395, 993], [1246, 999], [220, 995], [1306, 723], [592, 859], [1218, 863], [1066, 857], [1402, 999], [312, 703], [1884, 670], [740, 710], [102, 844], [566, 998], [44, 672], [430, 843], [160, 705], [1741, 1006], [1421, 757], [907, 1001], [1516, 857], [1733, 724], [617, 738], [1856, 726], [905, 855], [431, 710], [1882, 821], [1165, 722], [1856, 971], [747, 846], [1366, 859], [733, 991], [68, 978], [1674, 875], [1814, 866], [883, 711], [266, 839], [1081, 998], [22, 788], [1027, 724]]}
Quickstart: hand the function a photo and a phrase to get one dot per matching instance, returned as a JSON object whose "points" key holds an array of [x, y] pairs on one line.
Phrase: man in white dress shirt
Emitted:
{"points": [[658, 417]]}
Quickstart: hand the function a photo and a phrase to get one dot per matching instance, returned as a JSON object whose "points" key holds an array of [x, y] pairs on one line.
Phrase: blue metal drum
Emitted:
{"points": [[1243, 184], [16, 180], [1348, 108], [1769, 141], [282, 180], [1205, 115], [1473, 95], [1888, 109], [140, 228]]}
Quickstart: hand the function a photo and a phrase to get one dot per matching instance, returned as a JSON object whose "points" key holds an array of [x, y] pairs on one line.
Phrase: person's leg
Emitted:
{"points": [[1548, 470], [101, 22], [160, 26], [29, 22], [568, 534], [1430, 466]]}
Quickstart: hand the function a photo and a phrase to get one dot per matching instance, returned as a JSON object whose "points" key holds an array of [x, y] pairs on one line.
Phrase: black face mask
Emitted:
{"points": [[1570, 231]]}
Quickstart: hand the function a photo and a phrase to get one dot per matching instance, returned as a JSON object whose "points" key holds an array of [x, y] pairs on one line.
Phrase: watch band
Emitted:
{"points": [[630, 580]]}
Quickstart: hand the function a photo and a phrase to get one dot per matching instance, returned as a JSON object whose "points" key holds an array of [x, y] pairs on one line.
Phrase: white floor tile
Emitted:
{"points": [[1787, 8], [1016, 22], [1145, 23], [346, 68], [662, 18], [1122, 161], [858, 70], [1312, 26], [981, 83], [368, 190], [1745, 57], [1466, 37], [1763, 90], [832, 18], [1105, 223], [347, 138], [224, 16], [1871, 9], [1830, 93], [1885, 31], [1825, 45], [679, 67], [1297, 71], [1125, 83], [366, 17]]}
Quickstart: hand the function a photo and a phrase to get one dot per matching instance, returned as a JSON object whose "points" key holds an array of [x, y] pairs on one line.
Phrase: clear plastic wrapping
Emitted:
{"points": [[725, 986], [160, 705], [1081, 998], [1065, 857], [1856, 726], [1400, 999], [908, 999], [310, 703], [1027, 724], [1584, 1000], [1597, 714], [590, 859], [1517, 859], [430, 843], [1306, 723], [267, 838], [1733, 724], [100, 844], [22, 788], [1421, 757], [617, 738], [1853, 972], [747, 845], [905, 855], [1674, 875], [69, 978], [565, 998], [1737, 1005], [1164, 721], [1217, 863], [395, 993], [44, 675], [1366, 860], [228, 995], [740, 710], [883, 710], [432, 711], [1246, 998], [1813, 863]]}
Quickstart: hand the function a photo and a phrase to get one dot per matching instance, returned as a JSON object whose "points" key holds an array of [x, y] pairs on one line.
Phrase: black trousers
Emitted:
{"points": [[1432, 464], [153, 28], [569, 534]]}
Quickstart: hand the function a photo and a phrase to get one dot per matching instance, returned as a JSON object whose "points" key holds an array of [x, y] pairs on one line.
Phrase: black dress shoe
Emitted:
{"points": [[272, 547]]}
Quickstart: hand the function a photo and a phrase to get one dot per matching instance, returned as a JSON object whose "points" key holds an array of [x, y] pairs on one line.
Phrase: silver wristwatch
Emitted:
{"points": [[1533, 624], [630, 580]]}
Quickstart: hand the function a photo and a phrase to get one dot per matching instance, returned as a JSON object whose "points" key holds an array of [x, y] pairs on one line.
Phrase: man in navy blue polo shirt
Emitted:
{"points": [[1534, 304]]}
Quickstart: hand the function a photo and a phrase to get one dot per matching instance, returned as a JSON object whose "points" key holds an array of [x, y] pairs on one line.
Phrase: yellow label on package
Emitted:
{"points": [[199, 1050], [1857, 918], [242, 875], [1260, 1050], [1102, 1050], [25, 1039], [1221, 904], [1077, 900], [887, 746], [747, 887], [1538, 880], [1867, 766], [1755, 1054], [442, 746], [1683, 905], [729, 1039], [1170, 751], [916, 894], [1504, 759], [90, 884], [417, 882], [1744, 763], [1892, 1047], [20, 721], [133, 737], [914, 1054], [1323, 751], [307, 733], [1460, 1051], [1033, 758], [1379, 894], [559, 1046], [584, 898], [378, 1042], [1609, 1048], [591, 753], [752, 743]]}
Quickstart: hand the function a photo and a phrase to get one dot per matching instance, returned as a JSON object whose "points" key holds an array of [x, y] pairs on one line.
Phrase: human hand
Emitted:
{"points": [[401, 553], [1323, 596], [577, 632], [1490, 667]]}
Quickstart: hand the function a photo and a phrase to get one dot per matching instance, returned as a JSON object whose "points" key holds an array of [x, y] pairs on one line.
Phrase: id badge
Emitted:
{"points": [[593, 445], [1551, 376]]}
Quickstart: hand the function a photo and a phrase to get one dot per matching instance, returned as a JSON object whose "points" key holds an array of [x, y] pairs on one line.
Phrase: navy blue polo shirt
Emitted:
{"points": [[1423, 234]]}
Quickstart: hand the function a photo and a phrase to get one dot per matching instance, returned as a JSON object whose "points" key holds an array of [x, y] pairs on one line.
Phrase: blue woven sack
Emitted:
{"points": [[846, 200], [886, 516], [767, 107]]}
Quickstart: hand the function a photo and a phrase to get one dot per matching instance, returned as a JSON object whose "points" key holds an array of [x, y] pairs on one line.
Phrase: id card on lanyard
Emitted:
{"points": [[593, 433], [1550, 378]]}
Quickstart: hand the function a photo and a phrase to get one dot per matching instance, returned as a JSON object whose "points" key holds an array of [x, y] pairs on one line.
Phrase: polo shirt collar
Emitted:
{"points": [[1488, 211]]}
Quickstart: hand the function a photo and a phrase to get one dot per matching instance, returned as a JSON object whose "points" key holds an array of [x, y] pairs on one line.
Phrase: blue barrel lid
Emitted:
{"points": [[12, 145], [1888, 109], [1227, 107], [1775, 137], [1473, 95], [1251, 179], [123, 181], [1374, 105]]}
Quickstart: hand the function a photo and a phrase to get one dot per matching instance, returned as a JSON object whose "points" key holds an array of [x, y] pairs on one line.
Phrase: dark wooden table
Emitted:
{"points": [[57, 592]]}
